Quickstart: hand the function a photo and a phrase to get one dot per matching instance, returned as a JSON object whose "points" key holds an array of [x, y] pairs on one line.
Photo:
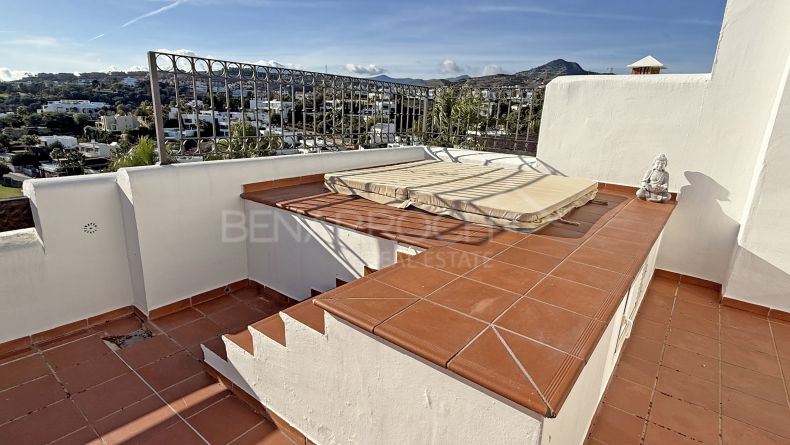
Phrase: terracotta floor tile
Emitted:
{"points": [[263, 434], [659, 299], [148, 351], [170, 370], [135, 422], [663, 286], [178, 433], [60, 419], [450, 260], [237, 419], [111, 396], [691, 363], [236, 317], [745, 321], [194, 394], [781, 335], [557, 327], [637, 370], [735, 432], [121, 326], [655, 311], [23, 399], [649, 329], [606, 260], [645, 349], [750, 359], [83, 436], [756, 412], [761, 342], [546, 246], [698, 294], [628, 396], [486, 249], [487, 362], [700, 311], [688, 388], [622, 247], [77, 351], [507, 276], [690, 420], [694, 342], [474, 298], [613, 426], [693, 324], [420, 281], [589, 275], [658, 435], [22, 370], [529, 259], [570, 295], [176, 319], [430, 330], [753, 383], [196, 332], [214, 305], [81, 376]]}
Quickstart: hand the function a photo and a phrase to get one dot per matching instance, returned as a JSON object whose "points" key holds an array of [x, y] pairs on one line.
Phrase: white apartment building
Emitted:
{"points": [[117, 123], [73, 106], [66, 141]]}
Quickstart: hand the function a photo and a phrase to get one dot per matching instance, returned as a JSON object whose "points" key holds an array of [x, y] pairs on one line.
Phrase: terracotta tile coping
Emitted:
{"points": [[530, 308]]}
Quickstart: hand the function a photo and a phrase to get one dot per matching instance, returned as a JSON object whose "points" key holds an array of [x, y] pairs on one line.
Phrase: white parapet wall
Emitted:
{"points": [[180, 212], [73, 265], [711, 126]]}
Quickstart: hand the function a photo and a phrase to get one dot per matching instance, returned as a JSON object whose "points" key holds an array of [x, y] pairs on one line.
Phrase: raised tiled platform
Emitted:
{"points": [[75, 389], [516, 313], [696, 371]]}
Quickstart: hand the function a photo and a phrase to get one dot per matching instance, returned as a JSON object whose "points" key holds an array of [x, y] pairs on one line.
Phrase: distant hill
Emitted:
{"points": [[539, 75]]}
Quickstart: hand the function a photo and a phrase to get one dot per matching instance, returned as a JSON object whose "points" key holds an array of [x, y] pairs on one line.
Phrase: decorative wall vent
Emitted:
{"points": [[90, 228]]}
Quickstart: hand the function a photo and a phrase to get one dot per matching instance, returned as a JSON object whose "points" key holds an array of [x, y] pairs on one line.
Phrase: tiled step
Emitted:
{"points": [[308, 314], [243, 339], [272, 327]]}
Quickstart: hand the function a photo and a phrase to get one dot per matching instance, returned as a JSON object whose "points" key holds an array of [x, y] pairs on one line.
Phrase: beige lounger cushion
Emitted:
{"points": [[479, 194]]}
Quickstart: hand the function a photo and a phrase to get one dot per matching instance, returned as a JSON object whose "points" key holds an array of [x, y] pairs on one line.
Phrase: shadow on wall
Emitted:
{"points": [[758, 281], [699, 211]]}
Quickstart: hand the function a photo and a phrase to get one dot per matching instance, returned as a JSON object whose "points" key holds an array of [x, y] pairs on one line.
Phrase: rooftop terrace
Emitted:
{"points": [[281, 312]]}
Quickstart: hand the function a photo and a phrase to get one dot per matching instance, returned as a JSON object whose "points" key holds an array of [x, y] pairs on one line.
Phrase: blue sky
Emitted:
{"points": [[417, 38]]}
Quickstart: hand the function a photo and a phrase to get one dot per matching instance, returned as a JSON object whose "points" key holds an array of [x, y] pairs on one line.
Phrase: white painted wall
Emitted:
{"points": [[61, 274], [609, 128], [293, 254], [760, 270], [178, 214]]}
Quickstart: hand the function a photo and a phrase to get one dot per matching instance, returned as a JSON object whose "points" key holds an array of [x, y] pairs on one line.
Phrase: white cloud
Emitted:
{"points": [[180, 52], [364, 70], [38, 41], [153, 13], [7, 74], [136, 68], [276, 64], [448, 66], [490, 70]]}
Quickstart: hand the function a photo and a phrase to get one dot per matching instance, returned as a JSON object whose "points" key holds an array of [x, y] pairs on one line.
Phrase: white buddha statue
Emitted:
{"points": [[655, 184]]}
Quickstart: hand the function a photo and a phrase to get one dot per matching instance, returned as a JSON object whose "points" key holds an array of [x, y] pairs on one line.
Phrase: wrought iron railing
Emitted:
{"points": [[215, 109]]}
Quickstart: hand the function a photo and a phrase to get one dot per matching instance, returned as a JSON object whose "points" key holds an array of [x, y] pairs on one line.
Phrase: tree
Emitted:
{"points": [[5, 141], [24, 159], [144, 153], [70, 162], [29, 140], [246, 142]]}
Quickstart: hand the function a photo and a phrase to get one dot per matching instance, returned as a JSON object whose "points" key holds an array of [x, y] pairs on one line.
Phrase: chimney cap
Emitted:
{"points": [[647, 62]]}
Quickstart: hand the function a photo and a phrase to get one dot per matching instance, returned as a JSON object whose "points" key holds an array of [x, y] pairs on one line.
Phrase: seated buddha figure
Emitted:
{"points": [[655, 183]]}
